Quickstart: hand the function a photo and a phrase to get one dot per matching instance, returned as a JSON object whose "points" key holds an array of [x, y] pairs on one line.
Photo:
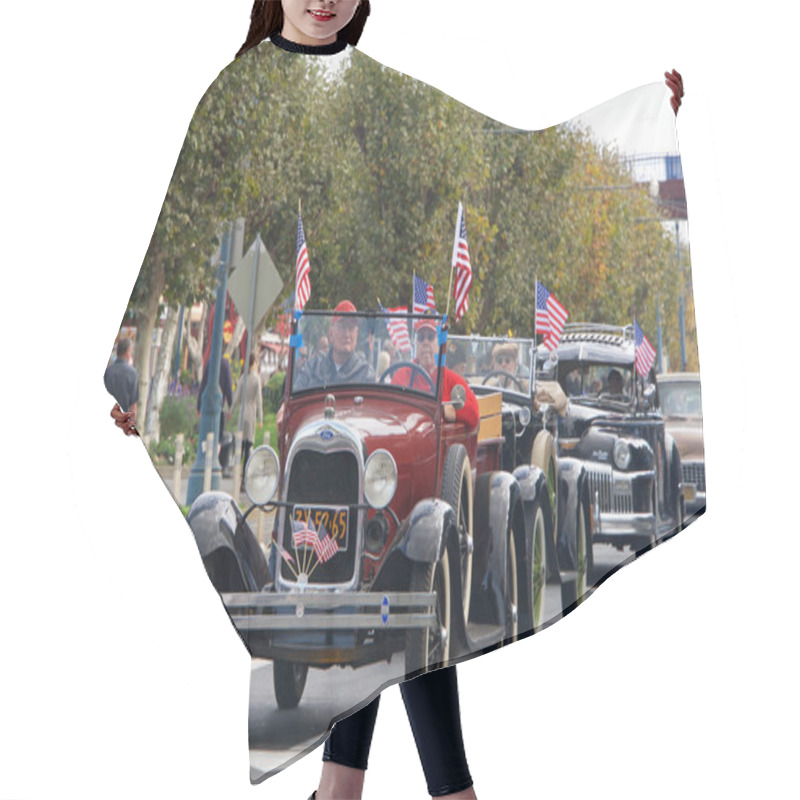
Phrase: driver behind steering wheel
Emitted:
{"points": [[427, 348], [505, 359]]}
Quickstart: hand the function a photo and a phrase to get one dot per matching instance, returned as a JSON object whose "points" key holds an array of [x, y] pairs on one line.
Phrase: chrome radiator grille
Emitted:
{"points": [[601, 484], [695, 472]]}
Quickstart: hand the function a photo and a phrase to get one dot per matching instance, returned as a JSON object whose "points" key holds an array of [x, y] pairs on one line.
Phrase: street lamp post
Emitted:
{"points": [[681, 310], [211, 404]]}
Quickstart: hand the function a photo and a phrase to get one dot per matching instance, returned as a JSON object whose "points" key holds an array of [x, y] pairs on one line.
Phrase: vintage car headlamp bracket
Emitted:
{"points": [[622, 454], [262, 475], [380, 479], [376, 533]]}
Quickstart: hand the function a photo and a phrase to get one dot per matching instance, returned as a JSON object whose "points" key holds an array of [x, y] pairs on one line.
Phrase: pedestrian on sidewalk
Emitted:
{"points": [[249, 388], [122, 381]]}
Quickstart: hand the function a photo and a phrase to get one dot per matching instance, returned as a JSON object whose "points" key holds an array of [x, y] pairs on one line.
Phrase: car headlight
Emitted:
{"points": [[622, 454], [380, 479], [261, 475]]}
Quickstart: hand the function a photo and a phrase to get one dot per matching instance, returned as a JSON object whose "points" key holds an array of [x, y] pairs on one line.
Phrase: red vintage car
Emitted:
{"points": [[395, 530]]}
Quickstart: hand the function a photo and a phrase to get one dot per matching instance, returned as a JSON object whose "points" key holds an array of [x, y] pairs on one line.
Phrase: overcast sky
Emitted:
{"points": [[650, 130]]}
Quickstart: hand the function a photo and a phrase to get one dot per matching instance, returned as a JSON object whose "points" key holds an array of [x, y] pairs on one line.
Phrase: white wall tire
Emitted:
{"points": [[431, 646], [457, 492]]}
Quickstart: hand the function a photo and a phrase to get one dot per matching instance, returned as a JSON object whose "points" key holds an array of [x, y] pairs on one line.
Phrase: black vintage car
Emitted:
{"points": [[615, 427], [528, 424]]}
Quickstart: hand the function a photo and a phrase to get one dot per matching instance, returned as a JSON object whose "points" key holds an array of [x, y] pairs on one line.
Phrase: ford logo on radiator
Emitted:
{"points": [[326, 435]]}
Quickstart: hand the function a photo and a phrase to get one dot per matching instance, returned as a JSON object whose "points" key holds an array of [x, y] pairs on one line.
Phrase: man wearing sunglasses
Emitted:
{"points": [[427, 346], [505, 359]]}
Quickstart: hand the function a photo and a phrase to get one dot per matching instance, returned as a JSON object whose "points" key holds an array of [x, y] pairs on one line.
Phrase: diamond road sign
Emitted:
{"points": [[268, 283]]}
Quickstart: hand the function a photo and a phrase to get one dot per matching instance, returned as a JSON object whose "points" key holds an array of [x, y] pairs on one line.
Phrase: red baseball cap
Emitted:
{"points": [[344, 305], [424, 323]]}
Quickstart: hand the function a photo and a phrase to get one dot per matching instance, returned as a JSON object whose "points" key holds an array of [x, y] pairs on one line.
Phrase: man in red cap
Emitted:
{"points": [[342, 363], [427, 342]]}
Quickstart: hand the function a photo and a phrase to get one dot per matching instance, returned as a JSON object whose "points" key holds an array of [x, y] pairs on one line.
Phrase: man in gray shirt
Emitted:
{"points": [[121, 379], [342, 363]]}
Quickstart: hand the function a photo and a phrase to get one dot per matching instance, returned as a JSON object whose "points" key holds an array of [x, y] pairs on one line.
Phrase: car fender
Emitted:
{"points": [[533, 487], [422, 534], [674, 466], [231, 554], [532, 481], [573, 488], [496, 497]]}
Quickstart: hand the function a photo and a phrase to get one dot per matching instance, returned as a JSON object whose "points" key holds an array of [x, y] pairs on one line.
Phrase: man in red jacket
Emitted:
{"points": [[427, 349]]}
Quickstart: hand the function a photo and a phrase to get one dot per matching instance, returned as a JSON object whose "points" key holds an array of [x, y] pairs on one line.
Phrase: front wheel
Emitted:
{"points": [[430, 646], [574, 591], [584, 556], [538, 562], [457, 492], [512, 590], [289, 679]]}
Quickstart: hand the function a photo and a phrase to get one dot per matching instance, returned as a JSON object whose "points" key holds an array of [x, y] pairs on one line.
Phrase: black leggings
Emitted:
{"points": [[433, 711]]}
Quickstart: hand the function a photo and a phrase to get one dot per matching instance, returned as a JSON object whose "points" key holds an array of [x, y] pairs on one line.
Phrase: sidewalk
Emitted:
{"points": [[166, 472]]}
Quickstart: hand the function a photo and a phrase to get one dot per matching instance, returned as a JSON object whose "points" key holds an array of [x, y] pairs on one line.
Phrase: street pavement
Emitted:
{"points": [[278, 737]]}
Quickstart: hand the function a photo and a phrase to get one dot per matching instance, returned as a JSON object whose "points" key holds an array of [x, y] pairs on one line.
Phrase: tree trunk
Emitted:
{"points": [[160, 383], [146, 318]]}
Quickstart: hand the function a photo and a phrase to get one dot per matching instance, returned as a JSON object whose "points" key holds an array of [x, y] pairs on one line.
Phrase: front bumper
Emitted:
{"points": [[621, 528], [326, 627]]}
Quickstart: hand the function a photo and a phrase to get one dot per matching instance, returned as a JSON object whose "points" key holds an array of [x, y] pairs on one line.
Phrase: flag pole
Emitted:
{"points": [[299, 218], [535, 306]]}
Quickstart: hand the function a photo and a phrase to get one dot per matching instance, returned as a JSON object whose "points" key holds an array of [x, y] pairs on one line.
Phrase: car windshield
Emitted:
{"points": [[598, 382], [502, 363], [680, 398], [357, 349]]}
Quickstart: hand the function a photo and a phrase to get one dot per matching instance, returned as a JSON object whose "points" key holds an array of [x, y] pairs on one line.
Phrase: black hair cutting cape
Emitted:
{"points": [[569, 314]]}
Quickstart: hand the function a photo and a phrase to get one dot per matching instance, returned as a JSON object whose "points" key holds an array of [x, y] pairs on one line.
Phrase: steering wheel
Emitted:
{"points": [[617, 397], [505, 375], [415, 368]]}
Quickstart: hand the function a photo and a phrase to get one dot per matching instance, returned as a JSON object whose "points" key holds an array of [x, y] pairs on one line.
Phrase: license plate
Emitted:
{"points": [[330, 520]]}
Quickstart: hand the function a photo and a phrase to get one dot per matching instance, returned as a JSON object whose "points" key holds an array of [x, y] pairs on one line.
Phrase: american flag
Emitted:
{"points": [[423, 296], [285, 554], [398, 328], [304, 535], [326, 547], [645, 355], [462, 266], [303, 268], [550, 316]]}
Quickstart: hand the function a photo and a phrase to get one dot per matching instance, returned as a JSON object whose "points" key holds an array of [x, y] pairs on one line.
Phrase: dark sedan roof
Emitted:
{"points": [[591, 347]]}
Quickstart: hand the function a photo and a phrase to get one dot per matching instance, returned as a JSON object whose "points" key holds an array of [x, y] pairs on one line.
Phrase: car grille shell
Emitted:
{"points": [[323, 479]]}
